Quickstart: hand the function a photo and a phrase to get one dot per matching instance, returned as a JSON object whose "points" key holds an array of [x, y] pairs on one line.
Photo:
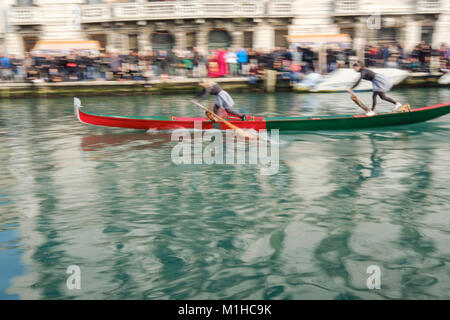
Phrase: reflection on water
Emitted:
{"points": [[112, 202]]}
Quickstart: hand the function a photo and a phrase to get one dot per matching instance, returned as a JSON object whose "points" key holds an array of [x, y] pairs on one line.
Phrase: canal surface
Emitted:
{"points": [[112, 202]]}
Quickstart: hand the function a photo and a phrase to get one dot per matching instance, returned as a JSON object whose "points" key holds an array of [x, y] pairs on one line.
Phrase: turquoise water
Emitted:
{"points": [[139, 227]]}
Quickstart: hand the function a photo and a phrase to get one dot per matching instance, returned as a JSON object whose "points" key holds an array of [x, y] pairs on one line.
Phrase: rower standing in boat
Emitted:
{"points": [[223, 99], [381, 85]]}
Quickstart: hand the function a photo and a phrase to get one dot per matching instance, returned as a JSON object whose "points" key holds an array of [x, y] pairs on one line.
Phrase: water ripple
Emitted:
{"points": [[140, 227]]}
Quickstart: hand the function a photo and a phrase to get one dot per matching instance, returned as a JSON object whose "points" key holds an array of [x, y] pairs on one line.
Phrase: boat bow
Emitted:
{"points": [[77, 106]]}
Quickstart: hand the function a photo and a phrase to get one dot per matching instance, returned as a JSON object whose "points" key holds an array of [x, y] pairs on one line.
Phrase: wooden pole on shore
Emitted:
{"points": [[270, 80]]}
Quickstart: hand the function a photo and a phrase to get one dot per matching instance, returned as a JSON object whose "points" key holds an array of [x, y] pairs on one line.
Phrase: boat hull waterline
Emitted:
{"points": [[310, 123]]}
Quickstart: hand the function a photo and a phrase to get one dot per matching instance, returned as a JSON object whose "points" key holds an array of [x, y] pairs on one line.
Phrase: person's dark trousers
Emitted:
{"points": [[241, 65], [229, 110]]}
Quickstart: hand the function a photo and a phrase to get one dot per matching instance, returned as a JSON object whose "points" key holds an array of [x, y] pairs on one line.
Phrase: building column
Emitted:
{"points": [[202, 38], [264, 36], [359, 40], [144, 43], [412, 32], [117, 41], [113, 41], [442, 30], [124, 43], [238, 39], [13, 44], [180, 39]]}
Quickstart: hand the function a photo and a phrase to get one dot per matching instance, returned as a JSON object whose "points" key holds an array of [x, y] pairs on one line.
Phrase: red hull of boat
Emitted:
{"points": [[170, 124]]}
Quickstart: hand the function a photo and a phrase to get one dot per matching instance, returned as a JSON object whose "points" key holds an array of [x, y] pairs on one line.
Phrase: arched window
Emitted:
{"points": [[29, 43], [219, 39], [162, 40], [280, 38]]}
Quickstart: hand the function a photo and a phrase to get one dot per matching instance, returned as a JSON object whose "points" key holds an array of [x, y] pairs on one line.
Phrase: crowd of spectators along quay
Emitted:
{"points": [[289, 63]]}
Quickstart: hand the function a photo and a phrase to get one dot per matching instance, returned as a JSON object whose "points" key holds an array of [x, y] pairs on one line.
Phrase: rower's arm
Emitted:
{"points": [[357, 82], [204, 94]]}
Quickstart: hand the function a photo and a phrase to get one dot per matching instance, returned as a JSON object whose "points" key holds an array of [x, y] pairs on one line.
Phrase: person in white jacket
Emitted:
{"points": [[231, 59]]}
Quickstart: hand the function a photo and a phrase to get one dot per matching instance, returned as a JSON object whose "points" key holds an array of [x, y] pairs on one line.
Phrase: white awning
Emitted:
{"points": [[319, 39], [55, 47]]}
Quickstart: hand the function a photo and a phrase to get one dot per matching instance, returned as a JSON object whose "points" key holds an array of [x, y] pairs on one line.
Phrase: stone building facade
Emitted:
{"points": [[140, 25]]}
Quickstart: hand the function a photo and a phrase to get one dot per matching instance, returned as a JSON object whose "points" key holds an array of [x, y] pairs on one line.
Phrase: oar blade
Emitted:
{"points": [[359, 102]]}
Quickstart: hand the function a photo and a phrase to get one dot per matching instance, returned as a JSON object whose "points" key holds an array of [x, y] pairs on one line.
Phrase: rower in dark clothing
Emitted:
{"points": [[381, 85], [223, 99]]}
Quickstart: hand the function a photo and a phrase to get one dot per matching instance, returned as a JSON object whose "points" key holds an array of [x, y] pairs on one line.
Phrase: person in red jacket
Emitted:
{"points": [[213, 66], [221, 59]]}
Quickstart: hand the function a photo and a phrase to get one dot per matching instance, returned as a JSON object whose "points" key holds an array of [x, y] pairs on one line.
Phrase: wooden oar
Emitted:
{"points": [[230, 125], [358, 102]]}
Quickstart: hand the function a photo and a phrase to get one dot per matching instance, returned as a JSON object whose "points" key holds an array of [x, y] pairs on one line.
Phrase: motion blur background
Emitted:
{"points": [[182, 38], [259, 24], [140, 227]]}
